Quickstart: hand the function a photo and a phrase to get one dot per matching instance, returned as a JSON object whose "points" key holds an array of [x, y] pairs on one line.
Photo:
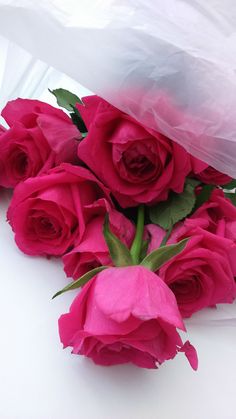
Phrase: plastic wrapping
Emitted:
{"points": [[171, 64], [21, 74]]}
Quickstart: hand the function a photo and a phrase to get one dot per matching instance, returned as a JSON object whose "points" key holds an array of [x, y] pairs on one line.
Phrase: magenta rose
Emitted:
{"points": [[220, 214], [125, 315], [49, 213], [92, 250], [40, 137], [201, 275], [208, 174], [138, 164]]}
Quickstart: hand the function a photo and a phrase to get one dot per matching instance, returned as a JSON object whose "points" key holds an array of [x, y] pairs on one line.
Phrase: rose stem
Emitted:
{"points": [[138, 239]]}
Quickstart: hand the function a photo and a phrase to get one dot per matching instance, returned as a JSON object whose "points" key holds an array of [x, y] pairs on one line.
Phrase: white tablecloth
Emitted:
{"points": [[40, 380]]}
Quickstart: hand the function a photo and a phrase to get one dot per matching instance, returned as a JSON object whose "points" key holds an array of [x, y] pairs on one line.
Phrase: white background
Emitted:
{"points": [[40, 380]]}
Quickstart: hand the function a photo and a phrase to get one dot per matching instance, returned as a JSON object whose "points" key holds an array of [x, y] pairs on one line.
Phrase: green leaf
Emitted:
{"points": [[204, 195], [158, 257], [166, 237], [119, 253], [177, 207], [81, 281], [66, 99], [231, 185], [192, 182], [232, 197], [78, 121], [144, 249]]}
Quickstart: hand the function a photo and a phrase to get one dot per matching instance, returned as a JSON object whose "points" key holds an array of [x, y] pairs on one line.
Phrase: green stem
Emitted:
{"points": [[138, 239]]}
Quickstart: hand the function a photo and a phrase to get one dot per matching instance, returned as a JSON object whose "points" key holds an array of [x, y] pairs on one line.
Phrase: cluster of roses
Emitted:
{"points": [[66, 181]]}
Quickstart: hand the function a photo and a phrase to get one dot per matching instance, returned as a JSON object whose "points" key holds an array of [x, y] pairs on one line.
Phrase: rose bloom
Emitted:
{"points": [[125, 315], [92, 250], [208, 174], [49, 213], [202, 274], [220, 215], [138, 164], [40, 137]]}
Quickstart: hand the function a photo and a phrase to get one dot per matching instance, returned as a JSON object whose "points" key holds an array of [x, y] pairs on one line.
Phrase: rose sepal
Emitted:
{"points": [[158, 257], [81, 281], [119, 252]]}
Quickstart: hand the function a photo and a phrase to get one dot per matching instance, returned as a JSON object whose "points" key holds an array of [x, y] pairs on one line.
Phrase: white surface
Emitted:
{"points": [[39, 380]]}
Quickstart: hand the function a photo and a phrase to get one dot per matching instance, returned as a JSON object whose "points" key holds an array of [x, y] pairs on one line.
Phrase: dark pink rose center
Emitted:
{"points": [[45, 227], [22, 163], [19, 163], [138, 164], [187, 290], [138, 161], [136, 154]]}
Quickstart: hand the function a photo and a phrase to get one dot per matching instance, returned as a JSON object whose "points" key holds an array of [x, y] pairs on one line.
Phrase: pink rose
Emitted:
{"points": [[201, 275], [49, 213], [125, 315], [40, 137], [138, 164], [92, 250], [220, 214], [208, 174]]}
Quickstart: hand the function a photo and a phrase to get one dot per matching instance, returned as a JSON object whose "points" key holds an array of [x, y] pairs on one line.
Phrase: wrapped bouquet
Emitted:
{"points": [[144, 228]]}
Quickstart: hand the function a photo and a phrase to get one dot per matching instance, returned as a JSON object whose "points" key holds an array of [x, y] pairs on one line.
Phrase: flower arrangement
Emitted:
{"points": [[147, 231]]}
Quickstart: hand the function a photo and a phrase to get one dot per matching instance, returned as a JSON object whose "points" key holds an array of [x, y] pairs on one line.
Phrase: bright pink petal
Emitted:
{"points": [[191, 354], [136, 291]]}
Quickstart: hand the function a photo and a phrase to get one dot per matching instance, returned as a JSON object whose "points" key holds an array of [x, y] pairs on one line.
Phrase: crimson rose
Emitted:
{"points": [[49, 213], [138, 164], [39, 138]]}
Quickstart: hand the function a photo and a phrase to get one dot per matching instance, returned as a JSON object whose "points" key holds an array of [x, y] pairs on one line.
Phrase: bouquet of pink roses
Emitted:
{"points": [[147, 231]]}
